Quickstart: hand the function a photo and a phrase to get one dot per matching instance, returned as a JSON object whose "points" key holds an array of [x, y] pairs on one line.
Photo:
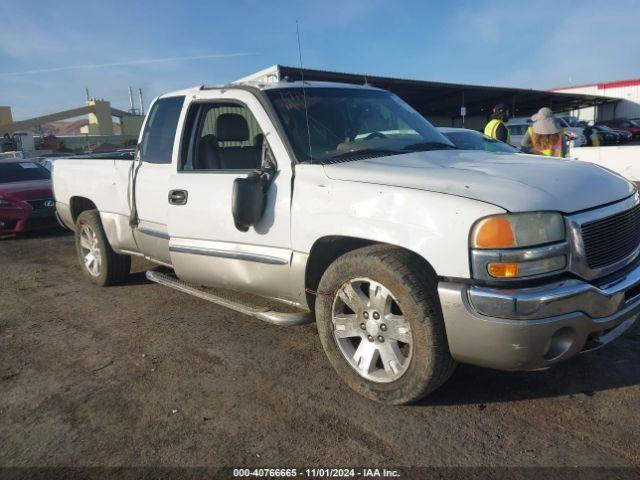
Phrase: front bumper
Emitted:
{"points": [[24, 220], [533, 328]]}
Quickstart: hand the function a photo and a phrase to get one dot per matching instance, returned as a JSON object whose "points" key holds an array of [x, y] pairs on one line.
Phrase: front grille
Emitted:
{"points": [[611, 238], [40, 204]]}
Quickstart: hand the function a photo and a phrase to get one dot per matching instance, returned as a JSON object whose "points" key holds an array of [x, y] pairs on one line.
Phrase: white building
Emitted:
{"points": [[627, 90]]}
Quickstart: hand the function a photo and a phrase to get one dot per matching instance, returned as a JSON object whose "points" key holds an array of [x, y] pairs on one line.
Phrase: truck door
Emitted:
{"points": [[152, 177], [225, 136]]}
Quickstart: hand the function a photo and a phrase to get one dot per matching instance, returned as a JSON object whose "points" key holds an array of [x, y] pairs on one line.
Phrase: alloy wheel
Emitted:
{"points": [[371, 331], [90, 250]]}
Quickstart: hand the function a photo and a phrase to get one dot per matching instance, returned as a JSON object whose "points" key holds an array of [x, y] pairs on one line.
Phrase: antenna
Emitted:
{"points": [[304, 92]]}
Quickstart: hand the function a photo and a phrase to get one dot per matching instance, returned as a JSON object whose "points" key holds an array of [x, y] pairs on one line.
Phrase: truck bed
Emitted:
{"points": [[105, 183]]}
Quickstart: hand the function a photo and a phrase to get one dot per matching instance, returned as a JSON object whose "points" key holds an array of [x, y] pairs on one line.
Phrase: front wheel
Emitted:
{"points": [[381, 326], [97, 259]]}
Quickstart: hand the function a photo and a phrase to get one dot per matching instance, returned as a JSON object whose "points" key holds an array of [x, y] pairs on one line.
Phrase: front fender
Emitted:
{"points": [[435, 226]]}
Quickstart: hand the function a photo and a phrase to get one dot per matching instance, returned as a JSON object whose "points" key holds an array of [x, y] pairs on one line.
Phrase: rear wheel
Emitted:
{"points": [[381, 326], [97, 259]]}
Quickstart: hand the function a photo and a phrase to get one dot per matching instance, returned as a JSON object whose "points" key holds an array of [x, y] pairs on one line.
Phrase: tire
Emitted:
{"points": [[420, 360], [108, 267]]}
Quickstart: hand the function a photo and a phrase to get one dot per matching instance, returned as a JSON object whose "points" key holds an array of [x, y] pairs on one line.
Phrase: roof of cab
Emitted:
{"points": [[270, 86], [314, 84]]}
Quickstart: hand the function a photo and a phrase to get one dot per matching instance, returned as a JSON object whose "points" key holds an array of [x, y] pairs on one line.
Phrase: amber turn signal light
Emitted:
{"points": [[503, 270]]}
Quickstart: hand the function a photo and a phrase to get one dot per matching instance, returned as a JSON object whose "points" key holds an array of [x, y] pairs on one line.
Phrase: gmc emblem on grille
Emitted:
{"points": [[49, 203]]}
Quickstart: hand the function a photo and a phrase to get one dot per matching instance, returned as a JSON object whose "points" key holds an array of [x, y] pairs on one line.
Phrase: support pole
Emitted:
{"points": [[141, 102], [131, 106]]}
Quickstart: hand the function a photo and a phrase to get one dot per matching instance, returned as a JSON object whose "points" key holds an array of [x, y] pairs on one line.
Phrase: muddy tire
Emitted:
{"points": [[380, 323], [97, 259]]}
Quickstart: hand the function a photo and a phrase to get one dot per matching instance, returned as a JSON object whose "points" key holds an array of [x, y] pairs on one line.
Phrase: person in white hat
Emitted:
{"points": [[545, 136]]}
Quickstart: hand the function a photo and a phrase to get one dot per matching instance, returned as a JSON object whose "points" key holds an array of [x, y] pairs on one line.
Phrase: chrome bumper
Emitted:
{"points": [[533, 328]]}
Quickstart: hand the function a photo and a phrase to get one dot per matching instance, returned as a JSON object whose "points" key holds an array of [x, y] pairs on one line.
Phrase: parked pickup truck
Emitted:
{"points": [[411, 254]]}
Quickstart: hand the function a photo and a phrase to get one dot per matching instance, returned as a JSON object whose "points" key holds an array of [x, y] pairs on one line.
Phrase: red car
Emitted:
{"points": [[26, 198], [623, 124]]}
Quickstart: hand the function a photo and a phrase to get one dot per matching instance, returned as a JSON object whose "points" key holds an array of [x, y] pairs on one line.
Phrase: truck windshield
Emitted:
{"points": [[22, 172], [469, 140], [346, 123]]}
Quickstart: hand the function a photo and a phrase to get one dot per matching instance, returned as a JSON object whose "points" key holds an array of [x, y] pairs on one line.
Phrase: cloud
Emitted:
{"points": [[127, 63]]}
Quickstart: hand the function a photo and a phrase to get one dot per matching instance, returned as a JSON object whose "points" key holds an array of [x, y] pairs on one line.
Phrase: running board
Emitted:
{"points": [[262, 313]]}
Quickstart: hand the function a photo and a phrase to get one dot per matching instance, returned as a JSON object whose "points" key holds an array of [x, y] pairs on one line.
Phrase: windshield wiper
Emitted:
{"points": [[367, 151], [424, 146]]}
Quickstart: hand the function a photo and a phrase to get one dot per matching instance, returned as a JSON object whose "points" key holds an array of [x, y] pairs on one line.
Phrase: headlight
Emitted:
{"points": [[4, 203], [513, 246], [518, 230]]}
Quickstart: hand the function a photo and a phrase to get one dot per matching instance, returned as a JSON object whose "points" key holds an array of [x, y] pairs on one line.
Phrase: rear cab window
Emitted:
{"points": [[160, 130]]}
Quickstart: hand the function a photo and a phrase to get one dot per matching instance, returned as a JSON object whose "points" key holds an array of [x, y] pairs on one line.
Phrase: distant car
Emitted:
{"points": [[518, 128], [579, 139], [466, 139], [571, 120], [26, 198], [47, 163], [624, 136], [607, 135], [623, 124]]}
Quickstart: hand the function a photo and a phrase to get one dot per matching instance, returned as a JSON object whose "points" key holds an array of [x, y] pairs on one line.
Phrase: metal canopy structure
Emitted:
{"points": [[437, 99], [53, 117]]}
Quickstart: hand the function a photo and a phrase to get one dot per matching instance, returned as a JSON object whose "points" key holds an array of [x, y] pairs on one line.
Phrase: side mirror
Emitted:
{"points": [[248, 200]]}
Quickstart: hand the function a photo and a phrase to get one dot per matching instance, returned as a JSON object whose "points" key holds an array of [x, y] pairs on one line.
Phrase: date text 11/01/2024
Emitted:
{"points": [[317, 473]]}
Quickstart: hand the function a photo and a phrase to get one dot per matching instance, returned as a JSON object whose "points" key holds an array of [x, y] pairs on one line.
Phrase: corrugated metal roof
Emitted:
{"points": [[445, 99]]}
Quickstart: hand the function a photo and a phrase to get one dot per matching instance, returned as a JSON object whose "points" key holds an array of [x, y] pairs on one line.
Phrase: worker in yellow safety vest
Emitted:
{"points": [[592, 136], [545, 136], [496, 127]]}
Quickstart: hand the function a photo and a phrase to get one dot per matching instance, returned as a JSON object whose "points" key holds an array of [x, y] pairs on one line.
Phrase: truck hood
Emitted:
{"points": [[515, 182]]}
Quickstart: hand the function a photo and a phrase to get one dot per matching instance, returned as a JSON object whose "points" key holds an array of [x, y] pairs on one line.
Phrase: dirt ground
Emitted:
{"points": [[140, 375]]}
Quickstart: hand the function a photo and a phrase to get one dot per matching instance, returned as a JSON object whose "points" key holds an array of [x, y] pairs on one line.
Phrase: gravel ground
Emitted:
{"points": [[143, 375]]}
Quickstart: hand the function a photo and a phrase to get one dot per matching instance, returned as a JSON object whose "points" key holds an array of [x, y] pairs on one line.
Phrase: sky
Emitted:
{"points": [[50, 51]]}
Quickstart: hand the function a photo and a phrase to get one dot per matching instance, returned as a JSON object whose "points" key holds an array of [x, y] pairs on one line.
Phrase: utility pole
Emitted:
{"points": [[132, 108], [141, 102]]}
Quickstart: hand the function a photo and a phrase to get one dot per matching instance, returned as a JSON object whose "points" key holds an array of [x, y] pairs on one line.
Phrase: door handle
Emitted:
{"points": [[178, 197]]}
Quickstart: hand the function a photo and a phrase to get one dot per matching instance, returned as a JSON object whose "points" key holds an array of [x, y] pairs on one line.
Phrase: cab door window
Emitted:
{"points": [[223, 137]]}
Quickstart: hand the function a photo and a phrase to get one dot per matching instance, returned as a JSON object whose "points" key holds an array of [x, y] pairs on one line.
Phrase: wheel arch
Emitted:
{"points": [[326, 250], [78, 204]]}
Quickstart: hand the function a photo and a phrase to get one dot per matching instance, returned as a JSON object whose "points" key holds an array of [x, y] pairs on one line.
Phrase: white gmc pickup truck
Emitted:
{"points": [[411, 255]]}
